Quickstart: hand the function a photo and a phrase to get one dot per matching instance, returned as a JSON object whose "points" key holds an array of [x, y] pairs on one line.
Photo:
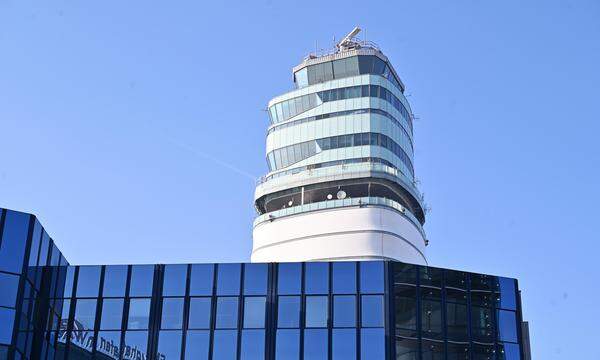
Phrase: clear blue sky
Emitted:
{"points": [[133, 131]]}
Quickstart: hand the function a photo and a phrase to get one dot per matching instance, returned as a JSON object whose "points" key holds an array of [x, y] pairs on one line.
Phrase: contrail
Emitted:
{"points": [[211, 158]]}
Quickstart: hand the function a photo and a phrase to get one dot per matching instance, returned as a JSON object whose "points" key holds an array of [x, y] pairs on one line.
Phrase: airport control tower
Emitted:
{"points": [[341, 182]]}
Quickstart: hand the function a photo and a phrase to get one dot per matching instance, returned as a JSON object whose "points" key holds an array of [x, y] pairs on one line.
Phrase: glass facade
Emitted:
{"points": [[317, 310]]}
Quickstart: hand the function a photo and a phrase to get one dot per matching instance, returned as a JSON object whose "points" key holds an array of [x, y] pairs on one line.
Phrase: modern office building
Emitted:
{"points": [[341, 182], [344, 192]]}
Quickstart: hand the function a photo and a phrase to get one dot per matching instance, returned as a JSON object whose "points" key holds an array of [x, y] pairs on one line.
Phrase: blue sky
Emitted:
{"points": [[134, 131]]}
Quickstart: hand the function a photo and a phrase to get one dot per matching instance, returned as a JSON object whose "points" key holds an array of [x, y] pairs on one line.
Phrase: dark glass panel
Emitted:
{"points": [[172, 313], [407, 349], [509, 351], [481, 324], [431, 319], [14, 239], [228, 279], [197, 345], [378, 66], [254, 312], [315, 344], [43, 259], [343, 344], [66, 306], [200, 313], [371, 277], [36, 238], [227, 313], [456, 321], [432, 350], [431, 293], [288, 312], [483, 352], [7, 318], [201, 282], [174, 280], [344, 311], [115, 279], [112, 314], [507, 298], [316, 311], [482, 298], [225, 345], [317, 278], [457, 352], [344, 277], [431, 276], [169, 345], [9, 286], [287, 344], [352, 66], [109, 343], [139, 312], [483, 282], [142, 277], [507, 325], [253, 345], [372, 344], [365, 64], [85, 313], [405, 273], [372, 311], [135, 345], [255, 279], [406, 310], [457, 296], [456, 279]]}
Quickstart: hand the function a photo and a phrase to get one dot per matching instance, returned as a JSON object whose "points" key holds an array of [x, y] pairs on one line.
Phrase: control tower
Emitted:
{"points": [[341, 183]]}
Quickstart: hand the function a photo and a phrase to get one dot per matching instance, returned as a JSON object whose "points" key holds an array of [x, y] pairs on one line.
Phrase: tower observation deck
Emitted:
{"points": [[339, 148]]}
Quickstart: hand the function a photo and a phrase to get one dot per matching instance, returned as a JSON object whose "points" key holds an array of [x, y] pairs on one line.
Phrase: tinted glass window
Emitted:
{"points": [[172, 313], [458, 352], [317, 278], [197, 345], [288, 313], [431, 276], [139, 311], [507, 296], [343, 344], [108, 343], [225, 345], [287, 345], [135, 345], [112, 314], [9, 284], [406, 310], [481, 323], [174, 280], [254, 312], [371, 277], [7, 318], [43, 259], [253, 345], [227, 313], [405, 273], [456, 279], [36, 238], [115, 279], [315, 344], [344, 277], [89, 281], [201, 282], [507, 326], [433, 350], [141, 280], [12, 244], [288, 278], [456, 320], [406, 349], [344, 311], [509, 351], [228, 279], [200, 313], [255, 279], [316, 311], [85, 313], [69, 281], [431, 319], [169, 345], [372, 310]]}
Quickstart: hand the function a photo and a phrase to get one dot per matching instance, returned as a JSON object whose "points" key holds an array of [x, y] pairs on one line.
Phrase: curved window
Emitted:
{"points": [[289, 155], [346, 67], [287, 109], [341, 113]]}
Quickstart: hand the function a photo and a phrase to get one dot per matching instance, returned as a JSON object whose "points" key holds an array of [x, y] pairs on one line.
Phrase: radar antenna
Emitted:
{"points": [[347, 42]]}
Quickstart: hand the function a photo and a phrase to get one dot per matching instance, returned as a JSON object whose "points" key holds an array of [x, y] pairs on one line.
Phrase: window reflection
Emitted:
{"points": [[254, 312], [200, 313], [316, 311], [109, 343], [407, 349], [225, 345], [135, 345], [288, 313], [406, 310], [371, 277], [228, 279], [197, 345], [9, 285], [507, 325], [344, 277], [432, 350], [456, 321], [139, 312], [372, 344], [288, 278], [343, 343], [255, 279], [227, 313], [201, 282], [115, 279], [372, 311], [317, 278], [172, 313], [174, 280], [141, 280], [315, 344], [253, 345], [287, 345], [344, 311], [169, 345], [85, 313], [14, 238], [112, 314], [88, 281]]}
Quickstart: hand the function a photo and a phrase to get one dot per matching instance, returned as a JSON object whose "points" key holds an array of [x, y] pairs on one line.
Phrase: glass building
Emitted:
{"points": [[367, 310]]}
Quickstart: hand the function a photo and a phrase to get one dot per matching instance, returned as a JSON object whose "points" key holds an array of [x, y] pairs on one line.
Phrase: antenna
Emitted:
{"points": [[347, 42]]}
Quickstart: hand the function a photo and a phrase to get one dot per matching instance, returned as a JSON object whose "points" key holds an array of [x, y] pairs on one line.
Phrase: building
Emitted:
{"points": [[282, 305], [341, 182]]}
